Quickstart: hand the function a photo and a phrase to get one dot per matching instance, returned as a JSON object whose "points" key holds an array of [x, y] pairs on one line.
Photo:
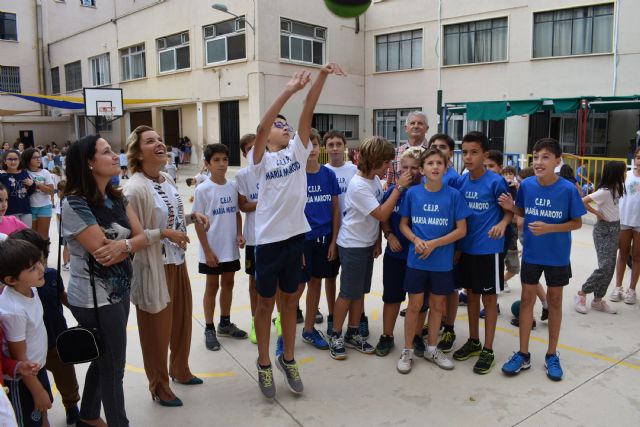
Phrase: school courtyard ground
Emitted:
{"points": [[600, 354]]}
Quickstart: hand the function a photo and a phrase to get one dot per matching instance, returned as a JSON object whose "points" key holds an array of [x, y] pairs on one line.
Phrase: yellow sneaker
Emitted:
{"points": [[252, 335]]}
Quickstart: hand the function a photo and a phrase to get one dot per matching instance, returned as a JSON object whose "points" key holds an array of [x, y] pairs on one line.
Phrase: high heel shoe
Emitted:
{"points": [[173, 403], [192, 381]]}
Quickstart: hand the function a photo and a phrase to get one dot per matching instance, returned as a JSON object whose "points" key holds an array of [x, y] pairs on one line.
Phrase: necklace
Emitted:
{"points": [[154, 179]]}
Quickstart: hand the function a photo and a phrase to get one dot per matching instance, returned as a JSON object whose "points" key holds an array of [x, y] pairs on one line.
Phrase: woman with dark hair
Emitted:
{"points": [[19, 186], [40, 200], [101, 231]]}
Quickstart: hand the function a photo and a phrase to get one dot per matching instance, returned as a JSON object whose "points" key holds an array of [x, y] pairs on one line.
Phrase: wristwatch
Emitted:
{"points": [[127, 244], [401, 188]]}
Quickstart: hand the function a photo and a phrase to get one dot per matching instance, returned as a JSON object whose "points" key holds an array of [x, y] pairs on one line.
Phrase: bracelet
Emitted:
{"points": [[127, 244], [401, 188]]}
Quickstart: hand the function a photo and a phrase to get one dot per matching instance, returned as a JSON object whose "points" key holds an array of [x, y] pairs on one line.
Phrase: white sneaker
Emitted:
{"points": [[406, 361], [506, 289], [630, 296], [439, 358], [616, 294], [603, 306], [580, 304]]}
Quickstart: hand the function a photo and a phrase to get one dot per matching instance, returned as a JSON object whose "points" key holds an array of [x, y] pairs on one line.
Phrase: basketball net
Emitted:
{"points": [[107, 112]]}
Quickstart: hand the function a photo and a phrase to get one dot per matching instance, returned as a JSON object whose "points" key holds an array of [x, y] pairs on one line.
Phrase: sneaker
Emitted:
{"points": [[65, 267], [418, 346], [316, 339], [385, 344], [403, 312], [580, 303], [545, 314], [265, 381], [439, 358], [359, 343], [485, 362], [210, 340], [231, 330], [406, 361], [299, 316], [616, 294], [462, 298], [319, 317], [516, 363], [291, 375], [278, 324], [468, 350], [336, 348], [483, 314], [329, 325], [630, 297], [507, 289], [252, 334], [364, 327], [552, 365], [446, 342], [279, 346], [73, 415], [516, 322], [603, 306]]}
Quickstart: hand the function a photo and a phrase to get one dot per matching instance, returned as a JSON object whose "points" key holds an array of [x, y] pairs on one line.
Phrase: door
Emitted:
{"points": [[538, 128], [171, 126], [26, 137], [139, 118], [230, 130]]}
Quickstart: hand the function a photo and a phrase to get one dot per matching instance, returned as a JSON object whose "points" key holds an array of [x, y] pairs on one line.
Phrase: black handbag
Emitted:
{"points": [[80, 344]]}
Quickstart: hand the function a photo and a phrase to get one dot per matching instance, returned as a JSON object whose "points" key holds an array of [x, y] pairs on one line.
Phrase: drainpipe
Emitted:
{"points": [[40, 53], [616, 17]]}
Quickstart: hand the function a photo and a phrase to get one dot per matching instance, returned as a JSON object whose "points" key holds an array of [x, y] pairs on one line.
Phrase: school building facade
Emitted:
{"points": [[211, 75]]}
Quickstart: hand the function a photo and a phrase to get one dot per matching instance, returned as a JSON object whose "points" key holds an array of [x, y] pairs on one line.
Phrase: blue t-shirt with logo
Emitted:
{"points": [[394, 220], [553, 204], [482, 197], [321, 187], [433, 215]]}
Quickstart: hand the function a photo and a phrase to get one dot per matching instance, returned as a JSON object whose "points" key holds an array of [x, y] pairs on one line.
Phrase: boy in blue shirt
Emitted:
{"points": [[482, 256], [433, 218], [551, 208], [320, 249]]}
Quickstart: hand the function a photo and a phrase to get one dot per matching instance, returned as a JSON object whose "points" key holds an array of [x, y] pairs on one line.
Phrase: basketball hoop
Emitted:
{"points": [[107, 112]]}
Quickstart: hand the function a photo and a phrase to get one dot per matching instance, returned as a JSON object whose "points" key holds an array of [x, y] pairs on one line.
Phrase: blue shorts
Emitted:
{"points": [[436, 282], [315, 258], [357, 269], [42, 212], [393, 273], [278, 264]]}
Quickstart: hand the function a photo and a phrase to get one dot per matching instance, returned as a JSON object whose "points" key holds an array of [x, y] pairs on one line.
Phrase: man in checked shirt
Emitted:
{"points": [[416, 128]]}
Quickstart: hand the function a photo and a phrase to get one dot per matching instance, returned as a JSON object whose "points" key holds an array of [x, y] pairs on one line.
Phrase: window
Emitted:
{"points": [[476, 42], [458, 125], [390, 124], [399, 51], [578, 31], [133, 62], [173, 52], [100, 74], [9, 79], [72, 76], [564, 128], [55, 80], [347, 124], [88, 3], [302, 42], [224, 41], [8, 28]]}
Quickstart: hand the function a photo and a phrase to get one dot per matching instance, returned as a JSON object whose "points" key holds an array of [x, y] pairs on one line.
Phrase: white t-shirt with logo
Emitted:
{"points": [[220, 204], [282, 178], [359, 229], [39, 199], [247, 183], [344, 174]]}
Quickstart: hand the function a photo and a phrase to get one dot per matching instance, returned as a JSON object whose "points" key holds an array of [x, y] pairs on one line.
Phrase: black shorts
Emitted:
{"points": [[393, 272], [123, 168], [223, 267], [22, 400], [553, 276], [278, 264], [482, 274], [315, 258], [250, 260]]}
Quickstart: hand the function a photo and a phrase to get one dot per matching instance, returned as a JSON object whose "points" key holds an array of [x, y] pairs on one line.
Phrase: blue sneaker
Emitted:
{"points": [[338, 352], [316, 339], [483, 314], [363, 328], [462, 298], [552, 364], [516, 363], [279, 346]]}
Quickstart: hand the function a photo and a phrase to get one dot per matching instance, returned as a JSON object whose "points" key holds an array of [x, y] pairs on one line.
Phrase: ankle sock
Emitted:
{"points": [[211, 327], [431, 348], [225, 320], [264, 366], [352, 331], [474, 340], [448, 328], [527, 356], [330, 318], [289, 362], [488, 350]]}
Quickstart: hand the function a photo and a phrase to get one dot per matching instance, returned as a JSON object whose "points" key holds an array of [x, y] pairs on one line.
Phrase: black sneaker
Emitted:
{"points": [[418, 346], [299, 316], [319, 317], [545, 314], [485, 362], [73, 415], [468, 350], [363, 328], [358, 343], [446, 342], [384, 345], [231, 330], [210, 340], [516, 322]]}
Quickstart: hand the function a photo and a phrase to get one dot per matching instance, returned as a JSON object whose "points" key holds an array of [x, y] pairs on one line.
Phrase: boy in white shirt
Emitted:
{"points": [[281, 223], [217, 198]]}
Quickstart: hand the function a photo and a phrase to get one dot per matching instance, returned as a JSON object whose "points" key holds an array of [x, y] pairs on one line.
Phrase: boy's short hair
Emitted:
{"points": [[374, 151], [414, 153], [443, 136], [212, 149], [60, 188], [496, 156], [315, 135], [433, 151], [550, 144], [479, 137], [17, 256], [333, 134], [245, 140], [509, 170], [32, 236], [526, 173], [281, 117]]}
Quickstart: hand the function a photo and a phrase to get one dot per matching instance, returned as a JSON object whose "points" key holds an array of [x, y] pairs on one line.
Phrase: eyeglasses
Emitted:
{"points": [[282, 125], [11, 159]]}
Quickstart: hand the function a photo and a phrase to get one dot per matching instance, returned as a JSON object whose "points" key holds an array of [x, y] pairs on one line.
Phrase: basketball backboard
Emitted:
{"points": [[103, 102]]}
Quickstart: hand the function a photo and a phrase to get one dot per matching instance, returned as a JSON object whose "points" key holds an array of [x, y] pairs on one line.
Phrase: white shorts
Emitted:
{"points": [[629, 227]]}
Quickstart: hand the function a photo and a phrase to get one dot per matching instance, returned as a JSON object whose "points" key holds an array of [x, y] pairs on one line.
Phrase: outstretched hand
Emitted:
{"points": [[298, 81]]}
